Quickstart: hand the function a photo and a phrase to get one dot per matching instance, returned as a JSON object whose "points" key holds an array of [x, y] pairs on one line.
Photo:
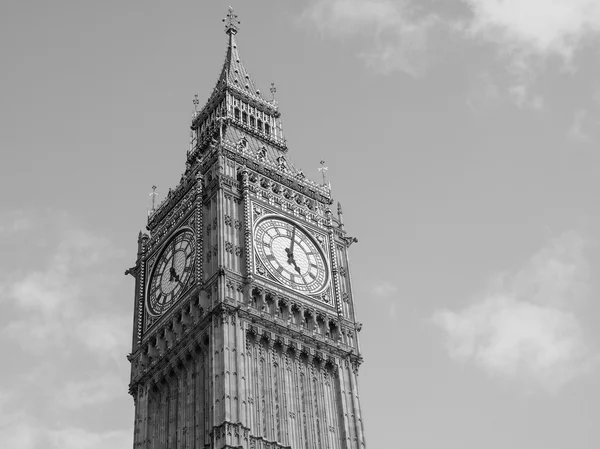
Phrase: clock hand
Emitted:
{"points": [[290, 250], [293, 240]]}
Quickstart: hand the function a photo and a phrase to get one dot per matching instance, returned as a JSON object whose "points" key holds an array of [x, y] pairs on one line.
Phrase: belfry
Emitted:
{"points": [[244, 331]]}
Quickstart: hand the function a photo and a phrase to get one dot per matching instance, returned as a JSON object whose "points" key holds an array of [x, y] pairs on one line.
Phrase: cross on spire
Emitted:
{"points": [[231, 22]]}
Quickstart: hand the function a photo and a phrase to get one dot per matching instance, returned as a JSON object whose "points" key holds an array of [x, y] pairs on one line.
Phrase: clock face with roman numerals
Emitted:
{"points": [[170, 273], [290, 254]]}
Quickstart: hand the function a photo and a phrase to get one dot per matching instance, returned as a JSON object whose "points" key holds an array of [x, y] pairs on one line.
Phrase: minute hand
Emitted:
{"points": [[293, 241]]}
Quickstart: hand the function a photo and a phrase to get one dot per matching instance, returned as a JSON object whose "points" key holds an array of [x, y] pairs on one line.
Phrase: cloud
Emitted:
{"points": [[75, 438], [386, 292], [541, 27], [527, 326], [51, 305], [385, 289], [15, 221], [577, 132], [397, 33], [90, 392], [67, 333], [27, 433], [523, 34]]}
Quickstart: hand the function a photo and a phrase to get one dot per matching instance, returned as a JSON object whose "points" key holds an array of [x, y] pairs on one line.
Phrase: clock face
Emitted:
{"points": [[290, 254], [171, 273]]}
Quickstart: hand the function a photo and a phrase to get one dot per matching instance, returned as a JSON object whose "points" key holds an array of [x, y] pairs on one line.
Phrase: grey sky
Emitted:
{"points": [[461, 137]]}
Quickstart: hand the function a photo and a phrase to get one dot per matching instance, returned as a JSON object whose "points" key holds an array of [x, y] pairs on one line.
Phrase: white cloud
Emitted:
{"points": [[15, 221], [541, 27], [75, 438], [527, 326], [398, 36], [105, 334], [60, 303], [28, 433], [524, 34], [63, 307], [386, 292], [91, 392], [577, 132], [384, 289]]}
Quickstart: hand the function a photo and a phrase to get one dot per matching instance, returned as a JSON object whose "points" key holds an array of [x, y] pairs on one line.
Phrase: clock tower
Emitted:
{"points": [[244, 333]]}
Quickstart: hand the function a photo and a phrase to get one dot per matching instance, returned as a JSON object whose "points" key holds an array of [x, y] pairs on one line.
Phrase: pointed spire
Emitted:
{"points": [[236, 86], [234, 73]]}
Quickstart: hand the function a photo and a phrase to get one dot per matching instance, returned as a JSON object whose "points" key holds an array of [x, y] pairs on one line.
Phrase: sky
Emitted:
{"points": [[461, 137]]}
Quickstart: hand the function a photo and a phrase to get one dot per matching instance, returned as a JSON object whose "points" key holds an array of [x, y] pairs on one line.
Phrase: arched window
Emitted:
{"points": [[259, 125], [244, 117], [252, 121], [267, 129], [236, 113]]}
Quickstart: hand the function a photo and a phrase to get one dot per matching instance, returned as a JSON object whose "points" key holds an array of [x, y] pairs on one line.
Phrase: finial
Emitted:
{"points": [[231, 22], [273, 89], [196, 103], [340, 216], [323, 169], [153, 195]]}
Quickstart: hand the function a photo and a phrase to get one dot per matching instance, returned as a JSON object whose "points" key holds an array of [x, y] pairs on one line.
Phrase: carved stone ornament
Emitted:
{"points": [[257, 211], [242, 144], [261, 153], [260, 268]]}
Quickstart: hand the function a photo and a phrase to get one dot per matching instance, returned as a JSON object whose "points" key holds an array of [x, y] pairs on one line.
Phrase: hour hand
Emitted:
{"points": [[290, 255], [174, 275]]}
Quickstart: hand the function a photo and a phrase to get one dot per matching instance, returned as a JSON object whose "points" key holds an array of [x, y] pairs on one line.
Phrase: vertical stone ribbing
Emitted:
{"points": [[240, 369], [141, 289], [344, 406], [199, 227], [357, 413], [334, 264], [247, 224]]}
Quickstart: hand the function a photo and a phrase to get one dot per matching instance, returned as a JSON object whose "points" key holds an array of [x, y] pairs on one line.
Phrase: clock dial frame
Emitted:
{"points": [[170, 273], [301, 265]]}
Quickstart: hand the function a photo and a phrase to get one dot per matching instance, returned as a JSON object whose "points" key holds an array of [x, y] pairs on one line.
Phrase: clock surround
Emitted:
{"points": [[170, 273], [291, 255]]}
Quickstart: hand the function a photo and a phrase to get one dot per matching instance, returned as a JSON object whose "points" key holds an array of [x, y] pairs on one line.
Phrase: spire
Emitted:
{"points": [[237, 99], [234, 73]]}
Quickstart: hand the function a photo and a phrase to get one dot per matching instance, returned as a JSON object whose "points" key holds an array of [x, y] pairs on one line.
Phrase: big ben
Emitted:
{"points": [[244, 331]]}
